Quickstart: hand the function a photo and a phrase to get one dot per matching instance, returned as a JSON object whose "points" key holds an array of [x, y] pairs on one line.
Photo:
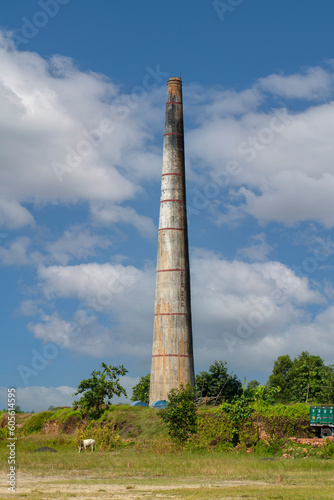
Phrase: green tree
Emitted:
{"points": [[303, 379], [99, 389], [306, 374], [281, 377], [141, 391], [180, 415], [326, 389], [217, 385], [249, 389]]}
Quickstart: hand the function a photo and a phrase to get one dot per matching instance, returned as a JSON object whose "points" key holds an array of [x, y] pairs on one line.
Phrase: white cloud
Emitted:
{"points": [[240, 306], [226, 290], [284, 164], [15, 253], [124, 293], [89, 281], [50, 111], [13, 215], [107, 214], [258, 249], [279, 202], [83, 334], [315, 83], [67, 136], [30, 307], [312, 336], [39, 398], [221, 102], [76, 243]]}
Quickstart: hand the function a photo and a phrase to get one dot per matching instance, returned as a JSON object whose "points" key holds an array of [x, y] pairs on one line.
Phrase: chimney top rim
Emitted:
{"points": [[175, 79]]}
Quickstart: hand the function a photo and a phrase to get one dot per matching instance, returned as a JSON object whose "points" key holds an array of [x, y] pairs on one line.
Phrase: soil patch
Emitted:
{"points": [[65, 486]]}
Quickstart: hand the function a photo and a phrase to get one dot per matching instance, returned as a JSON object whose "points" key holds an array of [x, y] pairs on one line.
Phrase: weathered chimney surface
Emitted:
{"points": [[172, 355]]}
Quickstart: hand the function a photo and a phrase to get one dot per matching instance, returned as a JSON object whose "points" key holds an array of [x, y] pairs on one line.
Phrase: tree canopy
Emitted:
{"points": [[306, 378], [141, 391], [217, 384], [99, 389]]}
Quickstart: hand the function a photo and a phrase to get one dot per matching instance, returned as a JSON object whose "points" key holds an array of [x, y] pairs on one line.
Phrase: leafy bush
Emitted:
{"points": [[180, 415], [106, 436], [248, 435], [280, 421], [271, 447], [237, 413], [214, 431], [326, 450]]}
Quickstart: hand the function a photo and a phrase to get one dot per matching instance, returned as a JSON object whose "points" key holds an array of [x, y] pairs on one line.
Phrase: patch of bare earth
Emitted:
{"points": [[64, 486]]}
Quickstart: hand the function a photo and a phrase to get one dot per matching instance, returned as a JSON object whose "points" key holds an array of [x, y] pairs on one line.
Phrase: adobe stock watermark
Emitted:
{"points": [[40, 359], [264, 309], [31, 27], [11, 428], [226, 7], [93, 139]]}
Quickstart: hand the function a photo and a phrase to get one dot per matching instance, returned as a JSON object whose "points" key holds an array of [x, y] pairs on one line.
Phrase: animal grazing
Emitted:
{"points": [[87, 442]]}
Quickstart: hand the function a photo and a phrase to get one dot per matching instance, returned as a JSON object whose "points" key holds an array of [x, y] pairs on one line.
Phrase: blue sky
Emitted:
{"points": [[82, 98]]}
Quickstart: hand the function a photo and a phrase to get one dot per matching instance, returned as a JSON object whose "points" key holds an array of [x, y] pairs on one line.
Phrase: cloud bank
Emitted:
{"points": [[263, 154]]}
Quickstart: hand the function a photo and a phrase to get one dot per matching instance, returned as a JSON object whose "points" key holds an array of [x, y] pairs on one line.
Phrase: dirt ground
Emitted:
{"points": [[61, 486]]}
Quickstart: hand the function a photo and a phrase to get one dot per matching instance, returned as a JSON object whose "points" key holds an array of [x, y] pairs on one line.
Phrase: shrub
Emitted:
{"points": [[326, 450], [180, 415], [271, 447], [248, 435], [280, 421], [237, 413], [106, 437], [214, 431]]}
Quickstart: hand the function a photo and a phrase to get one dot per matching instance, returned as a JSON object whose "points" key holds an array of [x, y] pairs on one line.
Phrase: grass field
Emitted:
{"points": [[137, 474], [147, 465]]}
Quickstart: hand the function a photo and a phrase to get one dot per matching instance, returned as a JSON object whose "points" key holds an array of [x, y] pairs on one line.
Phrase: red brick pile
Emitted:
{"points": [[312, 441]]}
